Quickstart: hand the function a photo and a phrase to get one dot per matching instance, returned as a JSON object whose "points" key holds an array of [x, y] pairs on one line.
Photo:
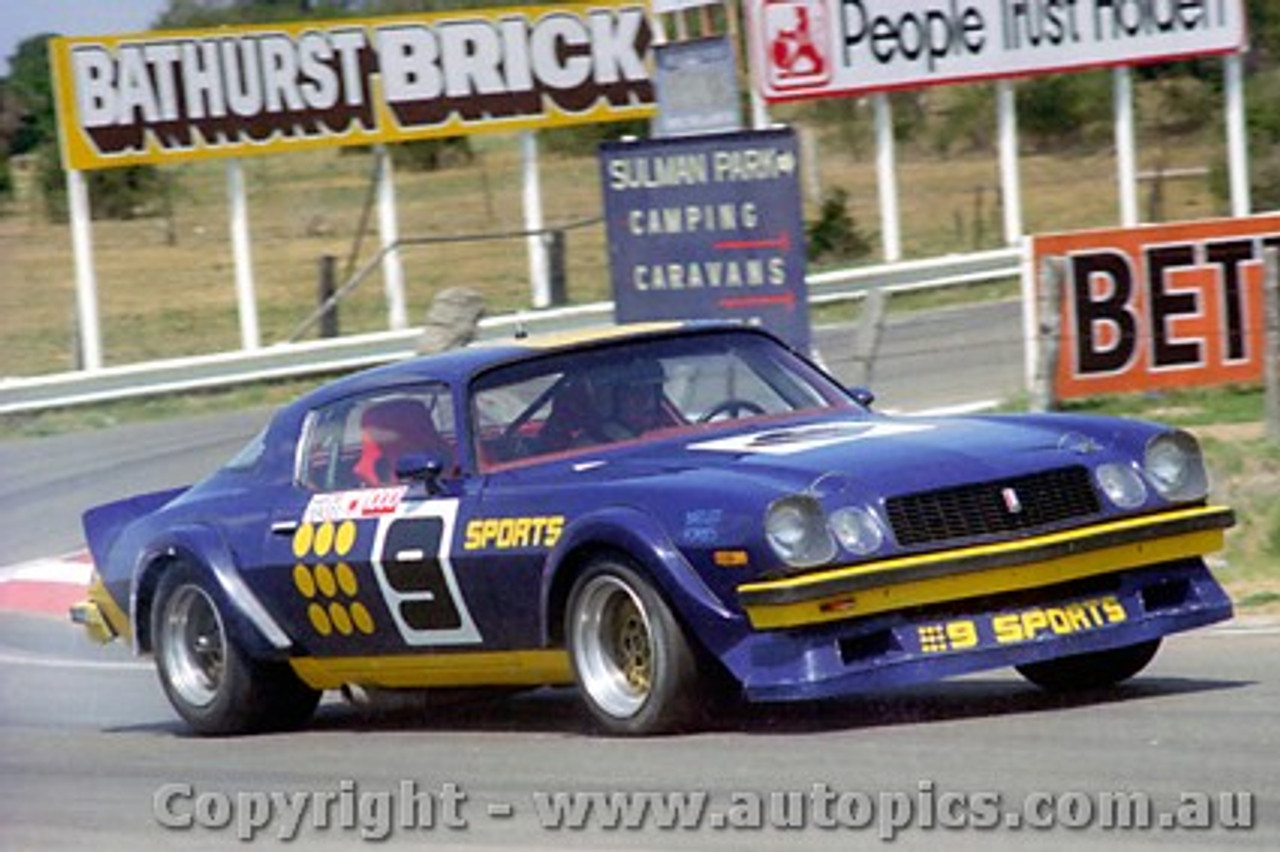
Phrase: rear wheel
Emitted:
{"points": [[209, 679], [636, 669], [1092, 670]]}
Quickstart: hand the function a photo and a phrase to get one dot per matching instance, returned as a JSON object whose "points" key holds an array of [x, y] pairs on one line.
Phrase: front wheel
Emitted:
{"points": [[1091, 671], [208, 678], [635, 667]]}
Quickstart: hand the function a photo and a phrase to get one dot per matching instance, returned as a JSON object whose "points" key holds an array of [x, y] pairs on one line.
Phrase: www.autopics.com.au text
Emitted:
{"points": [[411, 806]]}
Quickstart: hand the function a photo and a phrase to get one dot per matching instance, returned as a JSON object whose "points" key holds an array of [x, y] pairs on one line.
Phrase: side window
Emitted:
{"points": [[511, 416], [357, 442]]}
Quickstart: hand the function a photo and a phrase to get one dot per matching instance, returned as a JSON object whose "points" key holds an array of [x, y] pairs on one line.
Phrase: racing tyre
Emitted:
{"points": [[633, 663], [1092, 670], [209, 679]]}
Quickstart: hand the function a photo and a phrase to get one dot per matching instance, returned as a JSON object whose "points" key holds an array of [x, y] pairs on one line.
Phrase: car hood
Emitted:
{"points": [[896, 455]]}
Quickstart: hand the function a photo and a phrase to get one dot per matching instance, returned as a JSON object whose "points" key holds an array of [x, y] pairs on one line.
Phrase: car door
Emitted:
{"points": [[367, 557]]}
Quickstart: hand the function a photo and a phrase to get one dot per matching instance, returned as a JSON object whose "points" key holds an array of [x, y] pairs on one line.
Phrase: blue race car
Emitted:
{"points": [[663, 515]]}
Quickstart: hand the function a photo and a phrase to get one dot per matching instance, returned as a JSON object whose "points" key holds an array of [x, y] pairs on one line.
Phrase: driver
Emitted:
{"points": [[637, 403]]}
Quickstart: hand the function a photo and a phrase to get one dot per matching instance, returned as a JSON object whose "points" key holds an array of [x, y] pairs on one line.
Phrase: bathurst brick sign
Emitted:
{"points": [[166, 96]]}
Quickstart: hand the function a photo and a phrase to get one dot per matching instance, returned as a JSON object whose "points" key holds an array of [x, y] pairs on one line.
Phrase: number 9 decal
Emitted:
{"points": [[411, 562]]}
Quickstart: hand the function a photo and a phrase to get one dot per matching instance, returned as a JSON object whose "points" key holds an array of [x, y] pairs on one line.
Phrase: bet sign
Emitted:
{"points": [[1160, 306], [817, 48]]}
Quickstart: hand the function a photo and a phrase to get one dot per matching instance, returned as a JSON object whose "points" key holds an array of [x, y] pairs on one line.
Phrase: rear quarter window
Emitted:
{"points": [[356, 442]]}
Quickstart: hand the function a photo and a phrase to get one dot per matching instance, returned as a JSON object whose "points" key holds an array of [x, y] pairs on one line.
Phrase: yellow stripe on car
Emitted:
{"points": [[555, 340], [465, 668], [1106, 548]]}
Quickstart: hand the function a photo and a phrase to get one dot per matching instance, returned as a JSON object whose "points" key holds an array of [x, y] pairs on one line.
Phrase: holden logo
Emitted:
{"points": [[796, 38], [1011, 501]]}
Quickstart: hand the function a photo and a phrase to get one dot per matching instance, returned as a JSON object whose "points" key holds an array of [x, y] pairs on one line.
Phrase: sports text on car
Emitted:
{"points": [[663, 515]]}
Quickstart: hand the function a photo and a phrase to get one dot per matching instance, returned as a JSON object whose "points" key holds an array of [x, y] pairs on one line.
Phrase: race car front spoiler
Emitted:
{"points": [[937, 642], [954, 575]]}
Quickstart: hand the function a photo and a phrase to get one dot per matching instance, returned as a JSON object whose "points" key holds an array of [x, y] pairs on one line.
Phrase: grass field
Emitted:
{"points": [[166, 284]]}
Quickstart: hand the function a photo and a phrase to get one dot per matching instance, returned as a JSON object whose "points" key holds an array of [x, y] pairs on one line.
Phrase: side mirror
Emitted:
{"points": [[421, 467], [862, 396]]}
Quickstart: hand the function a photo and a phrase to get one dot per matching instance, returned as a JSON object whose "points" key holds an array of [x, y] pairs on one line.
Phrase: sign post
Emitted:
{"points": [[539, 281], [1237, 136], [246, 294], [389, 235], [89, 335], [1126, 146], [887, 178], [1010, 183]]}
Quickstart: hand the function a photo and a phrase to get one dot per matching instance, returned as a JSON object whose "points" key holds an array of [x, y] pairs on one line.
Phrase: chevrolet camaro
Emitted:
{"points": [[665, 516]]}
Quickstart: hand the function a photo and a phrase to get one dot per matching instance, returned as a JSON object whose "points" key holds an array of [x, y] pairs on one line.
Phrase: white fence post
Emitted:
{"points": [[1237, 139], [90, 333], [887, 178], [1010, 186], [246, 295], [389, 235], [539, 281], [1126, 155]]}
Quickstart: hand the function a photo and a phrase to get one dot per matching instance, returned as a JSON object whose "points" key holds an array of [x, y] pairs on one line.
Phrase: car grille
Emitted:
{"points": [[1006, 505]]}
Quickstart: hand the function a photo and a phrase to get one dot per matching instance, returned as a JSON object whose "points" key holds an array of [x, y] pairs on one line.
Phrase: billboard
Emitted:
{"points": [[816, 48], [234, 91], [1160, 306], [708, 227], [697, 86]]}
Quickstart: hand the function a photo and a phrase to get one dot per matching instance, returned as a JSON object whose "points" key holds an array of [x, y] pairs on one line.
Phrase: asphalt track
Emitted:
{"points": [[89, 750]]}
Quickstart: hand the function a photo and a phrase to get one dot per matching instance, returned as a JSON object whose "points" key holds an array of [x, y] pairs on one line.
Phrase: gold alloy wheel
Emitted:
{"points": [[613, 644]]}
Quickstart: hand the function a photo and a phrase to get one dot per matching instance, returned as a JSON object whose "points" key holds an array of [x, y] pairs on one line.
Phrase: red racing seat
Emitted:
{"points": [[390, 430]]}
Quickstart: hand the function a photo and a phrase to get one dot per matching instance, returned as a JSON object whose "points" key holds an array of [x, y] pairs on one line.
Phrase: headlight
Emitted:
{"points": [[796, 531], [1122, 485], [857, 530], [1174, 466]]}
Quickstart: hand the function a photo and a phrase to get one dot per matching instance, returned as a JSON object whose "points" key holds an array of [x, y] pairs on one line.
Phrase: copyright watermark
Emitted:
{"points": [[283, 815], [411, 806]]}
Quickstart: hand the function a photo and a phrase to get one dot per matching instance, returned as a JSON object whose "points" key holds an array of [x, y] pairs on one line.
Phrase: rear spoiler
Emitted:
{"points": [[103, 524]]}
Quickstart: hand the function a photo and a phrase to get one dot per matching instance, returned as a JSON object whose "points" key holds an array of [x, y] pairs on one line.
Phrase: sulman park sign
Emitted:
{"points": [[165, 96], [708, 227]]}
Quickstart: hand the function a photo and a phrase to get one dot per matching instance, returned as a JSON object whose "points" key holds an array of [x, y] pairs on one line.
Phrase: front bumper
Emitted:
{"points": [[953, 575], [932, 643]]}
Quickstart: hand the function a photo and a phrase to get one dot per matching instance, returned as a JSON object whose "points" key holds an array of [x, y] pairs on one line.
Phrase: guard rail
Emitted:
{"points": [[291, 360]]}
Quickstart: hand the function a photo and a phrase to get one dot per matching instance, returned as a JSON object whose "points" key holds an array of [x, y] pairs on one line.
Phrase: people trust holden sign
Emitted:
{"points": [[812, 48]]}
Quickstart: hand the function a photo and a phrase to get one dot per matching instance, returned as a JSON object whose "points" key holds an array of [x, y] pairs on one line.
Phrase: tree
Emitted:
{"points": [[30, 85], [118, 193], [1057, 110], [835, 235], [10, 121]]}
